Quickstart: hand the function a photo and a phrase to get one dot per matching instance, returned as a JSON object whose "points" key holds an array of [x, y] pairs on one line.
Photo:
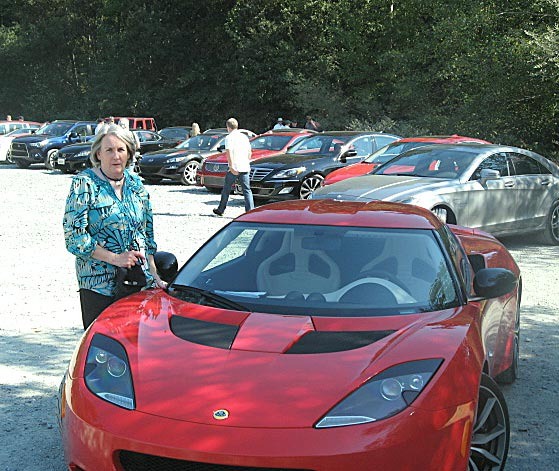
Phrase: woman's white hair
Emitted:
{"points": [[123, 134]]}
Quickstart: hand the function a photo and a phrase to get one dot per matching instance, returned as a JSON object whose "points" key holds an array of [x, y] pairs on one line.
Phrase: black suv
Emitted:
{"points": [[41, 147], [297, 173]]}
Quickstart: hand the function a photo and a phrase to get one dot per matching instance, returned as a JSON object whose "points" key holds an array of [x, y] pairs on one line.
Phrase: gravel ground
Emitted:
{"points": [[40, 319]]}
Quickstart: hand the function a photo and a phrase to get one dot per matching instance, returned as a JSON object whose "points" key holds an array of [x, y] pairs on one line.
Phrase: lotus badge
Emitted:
{"points": [[221, 414]]}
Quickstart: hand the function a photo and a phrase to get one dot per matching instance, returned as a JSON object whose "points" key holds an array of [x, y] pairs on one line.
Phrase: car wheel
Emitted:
{"points": [[441, 213], [50, 160], [550, 234], [189, 173], [22, 164], [491, 434], [511, 373], [309, 184]]}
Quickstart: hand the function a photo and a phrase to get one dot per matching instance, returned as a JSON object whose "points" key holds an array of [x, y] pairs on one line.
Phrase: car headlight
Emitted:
{"points": [[176, 159], [107, 372], [382, 396], [83, 153], [289, 173], [42, 143]]}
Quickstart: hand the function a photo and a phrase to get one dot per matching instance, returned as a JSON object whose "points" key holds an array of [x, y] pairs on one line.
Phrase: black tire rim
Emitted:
{"points": [[489, 439], [554, 223]]}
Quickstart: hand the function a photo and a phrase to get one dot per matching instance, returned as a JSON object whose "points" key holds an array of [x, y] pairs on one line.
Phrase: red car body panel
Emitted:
{"points": [[275, 399], [362, 168]]}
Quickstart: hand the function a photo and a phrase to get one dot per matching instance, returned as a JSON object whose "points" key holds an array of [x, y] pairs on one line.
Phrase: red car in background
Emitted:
{"points": [[212, 173], [392, 150]]}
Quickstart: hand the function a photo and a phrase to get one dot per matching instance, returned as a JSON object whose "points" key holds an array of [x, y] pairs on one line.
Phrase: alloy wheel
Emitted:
{"points": [[490, 438], [190, 172], [310, 184]]}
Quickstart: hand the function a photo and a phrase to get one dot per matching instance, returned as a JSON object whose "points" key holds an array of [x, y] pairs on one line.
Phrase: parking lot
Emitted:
{"points": [[40, 320]]}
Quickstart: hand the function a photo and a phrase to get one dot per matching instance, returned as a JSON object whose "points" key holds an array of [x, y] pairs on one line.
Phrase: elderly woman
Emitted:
{"points": [[108, 222]]}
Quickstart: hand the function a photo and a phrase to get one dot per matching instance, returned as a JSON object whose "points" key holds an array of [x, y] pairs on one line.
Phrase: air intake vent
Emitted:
{"points": [[329, 342], [211, 334]]}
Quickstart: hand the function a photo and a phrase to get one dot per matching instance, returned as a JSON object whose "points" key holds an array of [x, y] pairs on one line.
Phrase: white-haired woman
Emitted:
{"points": [[108, 222]]}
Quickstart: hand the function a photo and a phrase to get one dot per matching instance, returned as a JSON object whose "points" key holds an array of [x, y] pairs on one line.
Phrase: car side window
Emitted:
{"points": [[363, 146], [526, 165], [381, 141], [497, 161]]}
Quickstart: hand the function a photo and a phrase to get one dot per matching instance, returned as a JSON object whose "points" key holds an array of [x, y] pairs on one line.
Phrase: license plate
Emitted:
{"points": [[61, 160]]}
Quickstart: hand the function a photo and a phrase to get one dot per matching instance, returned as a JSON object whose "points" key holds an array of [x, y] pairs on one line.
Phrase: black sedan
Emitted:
{"points": [[73, 158], [297, 173], [151, 141]]}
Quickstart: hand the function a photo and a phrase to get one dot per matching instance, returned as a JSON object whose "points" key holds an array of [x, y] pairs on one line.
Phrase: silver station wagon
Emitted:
{"points": [[499, 189]]}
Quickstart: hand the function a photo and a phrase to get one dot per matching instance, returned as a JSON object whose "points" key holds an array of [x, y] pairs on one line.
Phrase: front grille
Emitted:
{"points": [[259, 173], [216, 167], [19, 149], [132, 461]]}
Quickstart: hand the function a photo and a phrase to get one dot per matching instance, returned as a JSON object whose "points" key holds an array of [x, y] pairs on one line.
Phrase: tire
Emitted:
{"points": [[309, 184], [550, 234], [190, 171], [441, 213], [510, 375], [50, 162], [22, 164], [491, 433]]}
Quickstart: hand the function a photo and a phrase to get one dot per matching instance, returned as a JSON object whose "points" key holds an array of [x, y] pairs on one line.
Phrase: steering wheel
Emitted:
{"points": [[385, 275]]}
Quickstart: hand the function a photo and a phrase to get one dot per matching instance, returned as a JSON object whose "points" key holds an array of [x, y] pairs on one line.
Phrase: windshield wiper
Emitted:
{"points": [[205, 298]]}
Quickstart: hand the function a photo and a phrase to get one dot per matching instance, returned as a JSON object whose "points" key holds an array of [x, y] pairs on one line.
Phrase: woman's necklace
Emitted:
{"points": [[116, 180]]}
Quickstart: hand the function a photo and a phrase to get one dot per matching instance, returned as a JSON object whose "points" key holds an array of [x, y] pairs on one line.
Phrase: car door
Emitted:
{"points": [[492, 202], [533, 189]]}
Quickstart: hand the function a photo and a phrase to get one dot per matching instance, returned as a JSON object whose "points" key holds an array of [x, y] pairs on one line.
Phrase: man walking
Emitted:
{"points": [[238, 152]]}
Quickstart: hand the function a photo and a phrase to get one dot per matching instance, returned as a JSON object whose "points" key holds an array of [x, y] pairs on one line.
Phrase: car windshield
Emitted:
{"points": [[54, 129], [320, 144], [431, 161], [15, 132], [316, 270], [270, 142], [392, 150], [201, 142], [174, 133]]}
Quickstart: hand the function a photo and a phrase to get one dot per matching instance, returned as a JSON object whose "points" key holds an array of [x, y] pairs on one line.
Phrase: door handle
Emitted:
{"points": [[509, 184], [545, 182]]}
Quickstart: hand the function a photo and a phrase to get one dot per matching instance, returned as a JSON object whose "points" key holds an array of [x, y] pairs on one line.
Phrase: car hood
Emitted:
{"points": [[380, 187], [185, 365], [289, 160], [164, 154], [33, 138]]}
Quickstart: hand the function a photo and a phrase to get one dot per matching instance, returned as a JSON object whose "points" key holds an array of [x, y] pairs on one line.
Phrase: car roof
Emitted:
{"points": [[355, 133], [330, 212], [442, 139]]}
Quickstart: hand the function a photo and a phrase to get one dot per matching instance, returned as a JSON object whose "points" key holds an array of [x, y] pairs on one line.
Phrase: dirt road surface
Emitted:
{"points": [[40, 319]]}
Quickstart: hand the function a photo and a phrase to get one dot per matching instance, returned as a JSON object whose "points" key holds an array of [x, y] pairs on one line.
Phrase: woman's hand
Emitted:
{"points": [[128, 259]]}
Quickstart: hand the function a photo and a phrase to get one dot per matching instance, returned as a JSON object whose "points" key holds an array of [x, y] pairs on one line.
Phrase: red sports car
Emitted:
{"points": [[392, 150], [311, 336], [212, 173]]}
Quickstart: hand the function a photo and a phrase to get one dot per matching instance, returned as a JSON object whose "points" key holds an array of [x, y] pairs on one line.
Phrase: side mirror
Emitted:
{"points": [[221, 148], [167, 265], [489, 174], [494, 282], [73, 135]]}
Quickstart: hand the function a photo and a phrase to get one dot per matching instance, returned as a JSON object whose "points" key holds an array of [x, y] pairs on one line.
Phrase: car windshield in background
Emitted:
{"points": [[319, 271], [428, 162], [269, 142], [392, 150], [320, 145], [200, 142], [174, 133], [54, 129]]}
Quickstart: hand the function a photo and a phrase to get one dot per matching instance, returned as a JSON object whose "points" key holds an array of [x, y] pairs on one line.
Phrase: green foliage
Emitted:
{"points": [[484, 69]]}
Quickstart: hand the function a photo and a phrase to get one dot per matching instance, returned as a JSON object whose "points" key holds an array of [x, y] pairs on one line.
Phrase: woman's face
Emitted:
{"points": [[113, 154]]}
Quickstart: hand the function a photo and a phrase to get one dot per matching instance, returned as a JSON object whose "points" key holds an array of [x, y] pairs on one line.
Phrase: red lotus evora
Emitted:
{"points": [[311, 336]]}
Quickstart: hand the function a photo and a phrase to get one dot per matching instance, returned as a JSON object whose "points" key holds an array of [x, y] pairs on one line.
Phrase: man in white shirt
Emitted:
{"points": [[280, 125], [238, 151]]}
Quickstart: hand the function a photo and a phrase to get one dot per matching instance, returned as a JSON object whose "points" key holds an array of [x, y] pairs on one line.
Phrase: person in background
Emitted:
{"points": [[108, 222], [20, 118], [195, 130], [124, 123], [280, 124], [312, 124], [238, 152], [8, 117], [100, 124]]}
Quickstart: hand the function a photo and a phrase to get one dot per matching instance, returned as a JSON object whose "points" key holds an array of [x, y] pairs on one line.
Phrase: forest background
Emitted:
{"points": [[487, 69]]}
